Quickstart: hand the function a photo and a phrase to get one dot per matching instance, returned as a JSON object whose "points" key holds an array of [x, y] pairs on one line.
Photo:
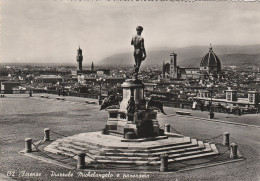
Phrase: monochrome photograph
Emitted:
{"points": [[129, 90]]}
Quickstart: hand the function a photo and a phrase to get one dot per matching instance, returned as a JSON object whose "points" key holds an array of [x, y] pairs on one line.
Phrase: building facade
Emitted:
{"points": [[210, 67], [48, 79], [232, 99], [10, 87]]}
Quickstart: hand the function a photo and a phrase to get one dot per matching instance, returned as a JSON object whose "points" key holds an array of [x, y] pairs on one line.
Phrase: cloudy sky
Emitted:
{"points": [[51, 30]]}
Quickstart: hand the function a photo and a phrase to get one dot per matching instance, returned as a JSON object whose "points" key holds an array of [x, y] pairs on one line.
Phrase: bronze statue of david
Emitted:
{"points": [[139, 50]]}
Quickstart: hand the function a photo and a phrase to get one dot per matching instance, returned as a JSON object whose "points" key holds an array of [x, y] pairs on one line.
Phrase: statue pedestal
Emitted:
{"points": [[142, 123]]}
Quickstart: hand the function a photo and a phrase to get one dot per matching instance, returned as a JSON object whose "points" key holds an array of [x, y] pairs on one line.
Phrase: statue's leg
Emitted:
{"points": [[136, 69], [139, 61], [136, 63], [136, 57]]}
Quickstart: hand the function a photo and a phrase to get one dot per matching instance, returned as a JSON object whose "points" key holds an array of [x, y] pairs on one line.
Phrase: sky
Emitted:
{"points": [[50, 31]]}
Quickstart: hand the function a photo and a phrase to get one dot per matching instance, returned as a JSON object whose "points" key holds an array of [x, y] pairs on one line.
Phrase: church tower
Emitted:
{"points": [[79, 58], [173, 65], [163, 70], [92, 66]]}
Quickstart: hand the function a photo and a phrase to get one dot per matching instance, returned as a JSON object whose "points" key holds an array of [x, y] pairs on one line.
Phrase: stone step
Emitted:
{"points": [[111, 149], [214, 148], [126, 162], [92, 159], [71, 148], [168, 147], [201, 151], [155, 162], [145, 139], [191, 143], [178, 149], [87, 143], [82, 144], [115, 133], [68, 150], [155, 154], [136, 158], [60, 152], [76, 147], [103, 141], [186, 140], [81, 149], [150, 149], [196, 156], [73, 151]]}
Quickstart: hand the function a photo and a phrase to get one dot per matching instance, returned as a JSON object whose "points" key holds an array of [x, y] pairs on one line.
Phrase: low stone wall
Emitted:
{"points": [[185, 105], [86, 95], [182, 105]]}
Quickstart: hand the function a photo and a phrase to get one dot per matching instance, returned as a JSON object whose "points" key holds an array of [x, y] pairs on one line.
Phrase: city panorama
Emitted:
{"points": [[129, 90]]}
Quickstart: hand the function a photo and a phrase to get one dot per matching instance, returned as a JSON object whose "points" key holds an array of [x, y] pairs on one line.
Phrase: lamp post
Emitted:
{"points": [[100, 80], [30, 92], [211, 113]]}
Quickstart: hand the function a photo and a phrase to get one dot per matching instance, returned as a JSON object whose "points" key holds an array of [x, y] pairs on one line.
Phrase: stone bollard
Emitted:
{"points": [[28, 145], [233, 150], [104, 131], [226, 138], [167, 128], [164, 163], [47, 134], [81, 160]]}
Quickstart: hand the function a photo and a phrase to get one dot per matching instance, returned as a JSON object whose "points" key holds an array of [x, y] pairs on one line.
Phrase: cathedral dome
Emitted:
{"points": [[210, 62]]}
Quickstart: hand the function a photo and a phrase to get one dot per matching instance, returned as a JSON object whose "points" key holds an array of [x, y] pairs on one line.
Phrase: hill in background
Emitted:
{"points": [[191, 56]]}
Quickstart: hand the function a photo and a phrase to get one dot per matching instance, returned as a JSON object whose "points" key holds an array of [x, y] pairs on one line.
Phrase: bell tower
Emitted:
{"points": [[79, 59], [173, 65], [92, 66]]}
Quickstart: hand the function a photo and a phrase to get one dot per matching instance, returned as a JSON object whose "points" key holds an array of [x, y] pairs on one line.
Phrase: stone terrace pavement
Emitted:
{"points": [[26, 118], [68, 98], [251, 119]]}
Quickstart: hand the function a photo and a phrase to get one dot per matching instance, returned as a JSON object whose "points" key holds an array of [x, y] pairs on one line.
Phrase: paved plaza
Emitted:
{"points": [[23, 117]]}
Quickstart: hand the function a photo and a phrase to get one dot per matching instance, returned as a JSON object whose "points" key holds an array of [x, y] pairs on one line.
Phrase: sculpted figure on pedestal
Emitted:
{"points": [[139, 50]]}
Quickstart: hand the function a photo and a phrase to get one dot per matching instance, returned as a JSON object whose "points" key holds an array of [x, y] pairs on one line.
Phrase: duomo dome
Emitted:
{"points": [[210, 62]]}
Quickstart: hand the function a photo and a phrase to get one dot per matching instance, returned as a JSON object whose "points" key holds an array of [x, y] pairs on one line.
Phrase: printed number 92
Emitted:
{"points": [[10, 174]]}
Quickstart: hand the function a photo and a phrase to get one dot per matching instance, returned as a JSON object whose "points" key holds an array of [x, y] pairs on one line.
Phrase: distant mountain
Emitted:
{"points": [[226, 60], [191, 56], [233, 59]]}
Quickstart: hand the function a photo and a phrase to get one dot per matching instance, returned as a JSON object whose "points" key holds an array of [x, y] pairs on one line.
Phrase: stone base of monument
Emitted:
{"points": [[133, 118], [100, 148]]}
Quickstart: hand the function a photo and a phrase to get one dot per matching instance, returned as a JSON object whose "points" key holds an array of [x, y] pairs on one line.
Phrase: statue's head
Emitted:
{"points": [[139, 29]]}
